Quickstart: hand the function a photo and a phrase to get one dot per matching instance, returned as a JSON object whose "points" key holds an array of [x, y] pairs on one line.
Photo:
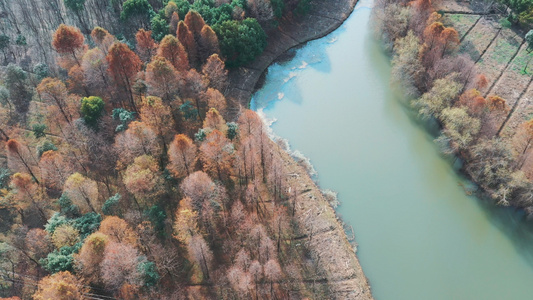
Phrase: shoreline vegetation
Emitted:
{"points": [[119, 174], [446, 84]]}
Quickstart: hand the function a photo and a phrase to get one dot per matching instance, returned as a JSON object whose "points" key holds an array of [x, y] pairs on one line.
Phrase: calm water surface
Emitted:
{"points": [[420, 236]]}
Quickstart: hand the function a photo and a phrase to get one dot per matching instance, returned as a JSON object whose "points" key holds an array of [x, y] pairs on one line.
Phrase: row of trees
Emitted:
{"points": [[445, 86], [27, 26], [125, 180]]}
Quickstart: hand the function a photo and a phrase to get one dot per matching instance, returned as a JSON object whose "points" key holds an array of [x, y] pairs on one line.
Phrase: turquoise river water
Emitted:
{"points": [[420, 236]]}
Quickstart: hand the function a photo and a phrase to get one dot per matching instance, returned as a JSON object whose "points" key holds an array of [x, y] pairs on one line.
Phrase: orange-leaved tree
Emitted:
{"points": [[124, 65]]}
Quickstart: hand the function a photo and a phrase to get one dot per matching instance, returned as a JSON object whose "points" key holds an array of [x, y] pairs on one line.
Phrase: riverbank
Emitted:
{"points": [[485, 115], [414, 217], [317, 221], [321, 230], [323, 18]]}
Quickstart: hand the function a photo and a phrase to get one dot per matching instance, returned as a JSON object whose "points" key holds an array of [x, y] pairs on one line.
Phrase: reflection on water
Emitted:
{"points": [[420, 235]]}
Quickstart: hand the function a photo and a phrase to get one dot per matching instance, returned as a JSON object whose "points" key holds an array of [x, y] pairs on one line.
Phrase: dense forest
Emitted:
{"points": [[445, 86], [26, 27], [125, 173]]}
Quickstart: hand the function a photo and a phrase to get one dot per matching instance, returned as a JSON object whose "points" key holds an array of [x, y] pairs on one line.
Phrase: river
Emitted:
{"points": [[420, 235]]}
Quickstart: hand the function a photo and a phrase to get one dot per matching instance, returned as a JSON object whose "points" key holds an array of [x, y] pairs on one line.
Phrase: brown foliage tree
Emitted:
{"points": [[28, 194], [449, 39], [83, 192], [143, 179], [119, 265], [195, 85], [481, 82], [146, 46], [128, 292], [182, 156], [54, 92], [118, 230], [91, 255], [139, 139], [20, 159], [171, 49], [61, 286], [432, 34], [68, 40], [38, 243], [214, 121], [473, 100], [162, 79], [497, 103], [186, 38], [194, 22], [124, 65], [207, 43], [216, 100], [215, 70], [76, 80], [102, 38], [173, 23], [217, 153], [158, 115], [420, 13]]}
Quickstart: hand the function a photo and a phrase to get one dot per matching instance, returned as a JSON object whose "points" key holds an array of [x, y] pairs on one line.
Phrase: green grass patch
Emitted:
{"points": [[461, 23], [502, 51], [520, 62]]}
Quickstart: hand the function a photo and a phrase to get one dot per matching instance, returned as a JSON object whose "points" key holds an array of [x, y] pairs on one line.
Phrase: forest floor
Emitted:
{"points": [[320, 228]]}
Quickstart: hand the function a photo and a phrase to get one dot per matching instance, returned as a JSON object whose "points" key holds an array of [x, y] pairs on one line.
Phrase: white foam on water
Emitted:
{"points": [[291, 76]]}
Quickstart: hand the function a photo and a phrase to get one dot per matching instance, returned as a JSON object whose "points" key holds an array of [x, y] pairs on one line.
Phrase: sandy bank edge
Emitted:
{"points": [[324, 235]]}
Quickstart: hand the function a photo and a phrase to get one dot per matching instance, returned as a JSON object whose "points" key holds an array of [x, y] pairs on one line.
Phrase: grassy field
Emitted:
{"points": [[501, 55]]}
